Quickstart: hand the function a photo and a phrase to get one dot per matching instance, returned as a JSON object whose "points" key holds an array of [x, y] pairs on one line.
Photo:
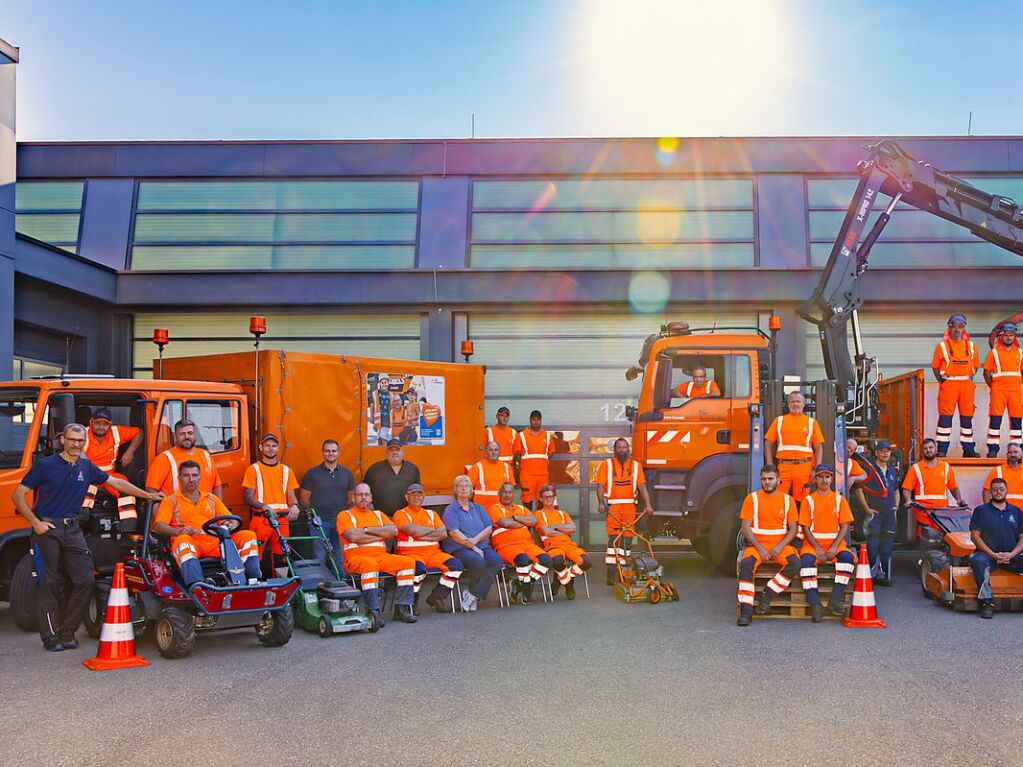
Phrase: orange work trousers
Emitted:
{"points": [[266, 534], [1006, 398], [185, 547], [563, 546], [369, 564], [794, 478], [781, 559], [531, 482], [952, 394], [512, 550], [432, 558]]}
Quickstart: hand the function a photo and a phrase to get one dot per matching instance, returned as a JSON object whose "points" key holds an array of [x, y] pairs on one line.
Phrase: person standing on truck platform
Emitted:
{"points": [[882, 515], [795, 443], [534, 448], [699, 386], [620, 480], [163, 471], [825, 517], [504, 435], [556, 528], [390, 479], [927, 483], [328, 488], [1012, 472], [103, 441], [380, 409], [270, 489], [60, 482], [769, 523], [996, 529], [488, 475], [512, 539], [1003, 372], [954, 364]]}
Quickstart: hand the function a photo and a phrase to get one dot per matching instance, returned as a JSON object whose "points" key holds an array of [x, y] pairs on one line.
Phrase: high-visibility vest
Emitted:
{"points": [[799, 448], [1011, 497], [813, 510], [509, 446], [609, 484], [348, 545], [526, 455], [208, 497], [512, 510], [481, 473], [406, 543], [922, 492], [174, 466], [285, 476], [115, 433], [946, 353], [1010, 369], [756, 529], [543, 520]]}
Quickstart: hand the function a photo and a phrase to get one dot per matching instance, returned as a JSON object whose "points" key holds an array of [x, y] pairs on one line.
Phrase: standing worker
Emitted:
{"points": [[60, 482], [954, 364], [794, 442], [390, 478], [927, 483], [769, 519], [534, 447], [488, 475], [1003, 371], [512, 539], [825, 518], [163, 471], [103, 442], [996, 529], [556, 528], [328, 488], [882, 511], [620, 480], [270, 489], [1012, 472], [503, 434], [420, 532]]}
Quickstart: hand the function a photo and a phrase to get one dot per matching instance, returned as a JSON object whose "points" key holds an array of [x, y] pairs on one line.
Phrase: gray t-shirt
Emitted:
{"points": [[328, 490]]}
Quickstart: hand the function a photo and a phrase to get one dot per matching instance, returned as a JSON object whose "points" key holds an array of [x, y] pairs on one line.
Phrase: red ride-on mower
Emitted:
{"points": [[223, 600], [944, 565]]}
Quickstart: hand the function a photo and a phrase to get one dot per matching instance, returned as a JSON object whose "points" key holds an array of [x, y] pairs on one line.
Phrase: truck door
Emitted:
{"points": [[218, 428]]}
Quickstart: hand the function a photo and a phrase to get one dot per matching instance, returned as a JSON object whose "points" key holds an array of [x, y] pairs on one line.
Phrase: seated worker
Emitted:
{"points": [[698, 387], [270, 489], [181, 516], [364, 533], [555, 527], [512, 539], [825, 518], [469, 531], [996, 529], [103, 441], [769, 519], [420, 532]]}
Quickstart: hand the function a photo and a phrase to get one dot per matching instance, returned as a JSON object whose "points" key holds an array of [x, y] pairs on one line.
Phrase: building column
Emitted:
{"points": [[8, 175]]}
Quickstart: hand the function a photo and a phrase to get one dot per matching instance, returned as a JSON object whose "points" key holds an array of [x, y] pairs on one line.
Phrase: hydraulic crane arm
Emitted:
{"points": [[891, 171]]}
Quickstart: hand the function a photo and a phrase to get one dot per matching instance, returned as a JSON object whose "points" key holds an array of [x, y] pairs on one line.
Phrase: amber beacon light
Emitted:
{"points": [[467, 350], [161, 338]]}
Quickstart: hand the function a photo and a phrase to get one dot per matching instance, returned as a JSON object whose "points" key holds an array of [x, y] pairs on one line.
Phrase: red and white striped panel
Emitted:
{"points": [[668, 436]]}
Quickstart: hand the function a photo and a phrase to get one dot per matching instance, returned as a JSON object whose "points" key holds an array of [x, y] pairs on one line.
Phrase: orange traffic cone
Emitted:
{"points": [[864, 610], [117, 638]]}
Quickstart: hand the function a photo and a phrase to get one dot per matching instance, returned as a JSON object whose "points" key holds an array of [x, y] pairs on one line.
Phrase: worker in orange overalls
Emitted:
{"points": [[1012, 472], [163, 471], [555, 528], [420, 532], [954, 364], [1003, 371], [503, 434], [488, 475], [698, 387], [181, 517], [534, 448], [103, 441], [825, 517], [794, 443], [620, 479], [364, 533], [270, 489], [769, 522], [927, 483], [512, 539]]}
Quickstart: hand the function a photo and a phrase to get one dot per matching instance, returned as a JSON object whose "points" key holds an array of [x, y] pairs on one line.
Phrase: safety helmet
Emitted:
{"points": [[961, 318]]}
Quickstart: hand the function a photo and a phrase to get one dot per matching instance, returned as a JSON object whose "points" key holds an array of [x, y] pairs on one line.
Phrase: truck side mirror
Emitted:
{"points": [[62, 411], [633, 373]]}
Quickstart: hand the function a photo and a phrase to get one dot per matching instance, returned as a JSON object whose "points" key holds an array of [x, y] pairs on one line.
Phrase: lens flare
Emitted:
{"points": [[649, 292]]}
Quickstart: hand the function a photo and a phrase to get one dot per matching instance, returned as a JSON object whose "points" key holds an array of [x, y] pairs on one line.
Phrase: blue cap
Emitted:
{"points": [[882, 444], [823, 467], [1009, 327], [102, 414], [267, 436], [393, 442], [957, 318]]}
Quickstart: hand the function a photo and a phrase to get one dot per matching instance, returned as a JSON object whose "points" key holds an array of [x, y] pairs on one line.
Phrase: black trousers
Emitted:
{"points": [[63, 553]]}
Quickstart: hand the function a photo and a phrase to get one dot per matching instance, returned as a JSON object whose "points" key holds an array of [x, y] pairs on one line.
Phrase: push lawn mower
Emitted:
{"points": [[640, 579]]}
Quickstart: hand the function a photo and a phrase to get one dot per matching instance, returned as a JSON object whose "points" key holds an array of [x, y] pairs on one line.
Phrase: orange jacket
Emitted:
{"points": [[163, 471], [958, 360], [1013, 478], [176, 509], [416, 515], [824, 515], [270, 484], [103, 452], [769, 516], [534, 451], [487, 478], [619, 483], [690, 389], [929, 486], [795, 436], [505, 536], [1005, 366], [546, 517], [356, 517], [504, 436]]}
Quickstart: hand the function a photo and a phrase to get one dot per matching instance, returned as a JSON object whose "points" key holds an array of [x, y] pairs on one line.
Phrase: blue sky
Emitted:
{"points": [[143, 70]]}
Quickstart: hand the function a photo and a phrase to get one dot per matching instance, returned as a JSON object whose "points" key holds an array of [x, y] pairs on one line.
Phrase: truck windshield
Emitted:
{"points": [[17, 410]]}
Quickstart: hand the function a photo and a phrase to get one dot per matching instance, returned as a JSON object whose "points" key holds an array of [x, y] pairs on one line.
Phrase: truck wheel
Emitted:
{"points": [[701, 544], [175, 633], [95, 614], [275, 630], [724, 531], [25, 596]]}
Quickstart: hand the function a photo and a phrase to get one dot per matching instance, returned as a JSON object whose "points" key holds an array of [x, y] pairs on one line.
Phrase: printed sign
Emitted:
{"points": [[406, 407]]}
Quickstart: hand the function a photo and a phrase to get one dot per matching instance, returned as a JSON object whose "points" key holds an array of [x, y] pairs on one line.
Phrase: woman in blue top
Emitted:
{"points": [[469, 530]]}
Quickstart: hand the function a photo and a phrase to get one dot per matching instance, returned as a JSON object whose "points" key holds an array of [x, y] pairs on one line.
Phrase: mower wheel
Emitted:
{"points": [[95, 614], [655, 595], [926, 567], [275, 630], [24, 595], [323, 627], [175, 633], [374, 623]]}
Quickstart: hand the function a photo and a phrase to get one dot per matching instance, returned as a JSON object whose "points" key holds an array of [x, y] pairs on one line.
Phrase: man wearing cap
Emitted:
{"points": [[825, 518], [270, 489], [390, 478], [996, 529], [1003, 371], [103, 441], [512, 539], [534, 447], [698, 387], [882, 517], [163, 471], [504, 435], [954, 364], [488, 475], [420, 532], [1012, 472], [794, 443]]}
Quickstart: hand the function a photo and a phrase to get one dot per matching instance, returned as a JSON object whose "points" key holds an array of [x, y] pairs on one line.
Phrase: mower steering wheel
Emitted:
{"points": [[213, 526]]}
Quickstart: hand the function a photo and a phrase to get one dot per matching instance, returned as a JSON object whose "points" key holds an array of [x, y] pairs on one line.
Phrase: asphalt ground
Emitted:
{"points": [[593, 682]]}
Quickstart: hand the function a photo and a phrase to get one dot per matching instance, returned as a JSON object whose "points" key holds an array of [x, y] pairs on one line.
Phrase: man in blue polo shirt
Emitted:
{"points": [[997, 531], [60, 483]]}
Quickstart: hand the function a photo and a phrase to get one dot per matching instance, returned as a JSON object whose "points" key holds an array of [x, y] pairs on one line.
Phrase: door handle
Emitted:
{"points": [[724, 437]]}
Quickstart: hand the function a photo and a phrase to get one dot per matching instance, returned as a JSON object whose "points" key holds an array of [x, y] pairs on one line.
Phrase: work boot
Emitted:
{"points": [[970, 452], [745, 616], [515, 590], [836, 608], [52, 644], [987, 609], [415, 605], [441, 602], [570, 589], [816, 612], [765, 602], [404, 614], [526, 593], [67, 638], [555, 587], [992, 452]]}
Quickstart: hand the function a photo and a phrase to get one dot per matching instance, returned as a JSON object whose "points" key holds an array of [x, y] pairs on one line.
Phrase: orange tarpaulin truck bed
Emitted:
{"points": [[306, 398]]}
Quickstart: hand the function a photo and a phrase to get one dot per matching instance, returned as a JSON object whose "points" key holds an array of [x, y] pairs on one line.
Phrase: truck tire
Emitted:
{"points": [[175, 633], [701, 545], [276, 628], [95, 614], [25, 596], [724, 530]]}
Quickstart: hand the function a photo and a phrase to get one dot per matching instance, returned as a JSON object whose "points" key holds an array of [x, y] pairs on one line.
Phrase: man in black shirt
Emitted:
{"points": [[389, 479], [328, 488]]}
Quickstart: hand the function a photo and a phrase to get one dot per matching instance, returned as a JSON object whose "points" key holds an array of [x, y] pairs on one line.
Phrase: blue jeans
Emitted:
{"points": [[982, 565], [480, 572], [880, 543]]}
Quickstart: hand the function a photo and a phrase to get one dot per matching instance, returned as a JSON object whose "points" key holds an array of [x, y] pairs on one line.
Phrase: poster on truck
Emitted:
{"points": [[405, 407]]}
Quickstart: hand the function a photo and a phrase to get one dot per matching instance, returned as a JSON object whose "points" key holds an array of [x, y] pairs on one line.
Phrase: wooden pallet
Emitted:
{"points": [[792, 602]]}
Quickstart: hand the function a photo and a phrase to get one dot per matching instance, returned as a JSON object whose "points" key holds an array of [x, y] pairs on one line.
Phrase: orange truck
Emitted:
{"points": [[303, 398]]}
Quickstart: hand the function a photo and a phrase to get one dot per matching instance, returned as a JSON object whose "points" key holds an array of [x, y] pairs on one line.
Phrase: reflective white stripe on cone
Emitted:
{"points": [[864, 612], [117, 637]]}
